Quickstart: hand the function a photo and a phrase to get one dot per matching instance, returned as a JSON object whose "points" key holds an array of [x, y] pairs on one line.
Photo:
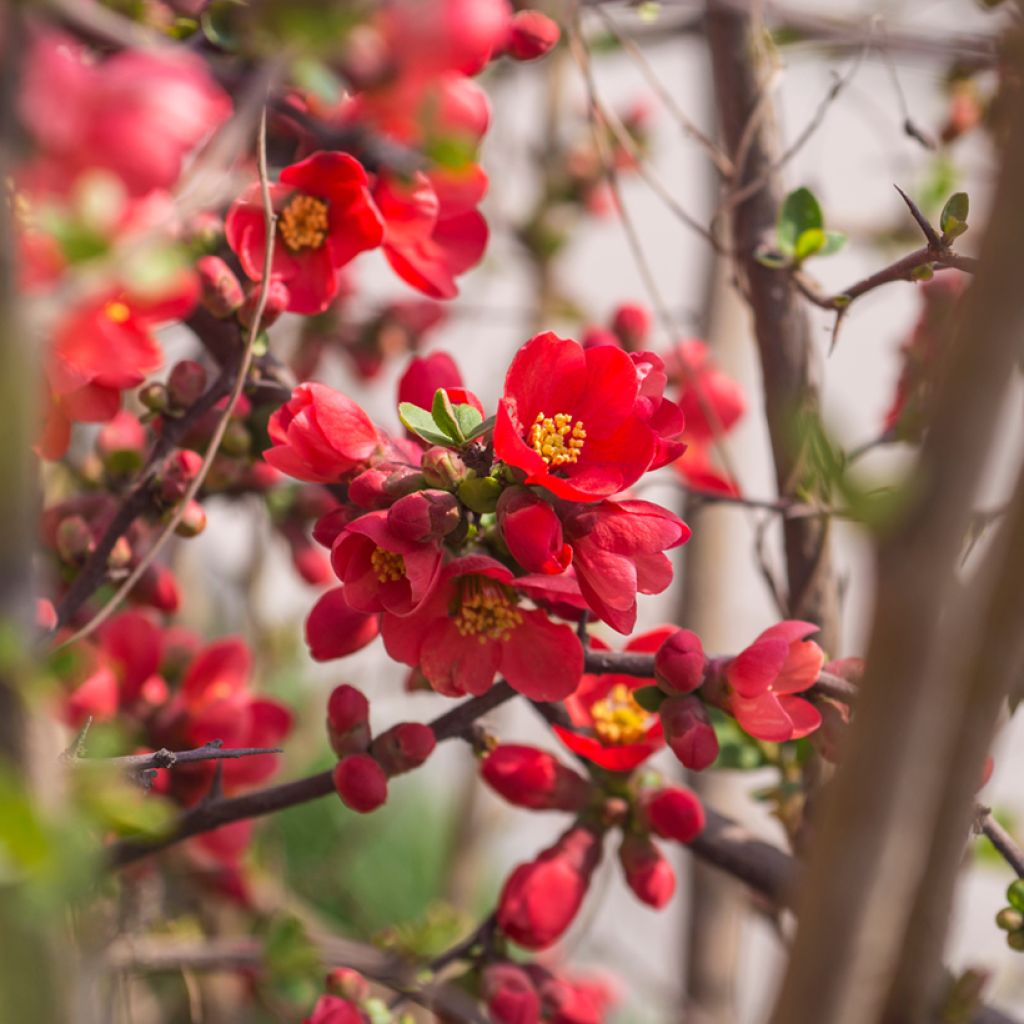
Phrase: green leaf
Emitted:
{"points": [[800, 212], [468, 418], [834, 241], [444, 415], [649, 697], [481, 429], [809, 242], [422, 424], [288, 951], [953, 219], [771, 259]]}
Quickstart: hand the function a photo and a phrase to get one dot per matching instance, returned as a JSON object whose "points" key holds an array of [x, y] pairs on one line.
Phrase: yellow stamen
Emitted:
{"points": [[618, 718], [117, 311], [303, 223], [487, 611], [557, 439], [388, 566]]}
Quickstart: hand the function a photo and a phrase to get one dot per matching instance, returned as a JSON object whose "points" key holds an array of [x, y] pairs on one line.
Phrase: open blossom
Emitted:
{"points": [[137, 113], [473, 627], [618, 551], [764, 678], [320, 436], [571, 419], [382, 570], [325, 217], [624, 734], [335, 629]]}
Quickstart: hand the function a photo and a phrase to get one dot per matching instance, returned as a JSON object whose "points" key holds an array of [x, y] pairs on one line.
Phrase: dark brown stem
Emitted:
{"points": [[1007, 846], [164, 758]]}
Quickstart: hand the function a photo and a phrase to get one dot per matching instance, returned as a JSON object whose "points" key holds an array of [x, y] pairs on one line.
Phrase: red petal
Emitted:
{"points": [[754, 670], [542, 659]]}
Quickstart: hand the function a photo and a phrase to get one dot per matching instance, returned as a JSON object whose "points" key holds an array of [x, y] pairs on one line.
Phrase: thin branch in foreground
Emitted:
{"points": [[998, 836], [165, 758]]}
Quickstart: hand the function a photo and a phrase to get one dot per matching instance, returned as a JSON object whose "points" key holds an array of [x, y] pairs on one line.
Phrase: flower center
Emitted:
{"points": [[303, 223], [117, 311], [487, 611], [618, 719], [557, 439], [388, 566]]}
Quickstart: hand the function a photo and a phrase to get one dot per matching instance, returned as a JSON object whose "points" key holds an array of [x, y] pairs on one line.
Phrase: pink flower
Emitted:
{"points": [[473, 627], [764, 677]]}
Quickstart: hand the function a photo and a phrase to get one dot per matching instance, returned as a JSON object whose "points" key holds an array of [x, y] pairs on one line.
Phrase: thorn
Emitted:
{"points": [[934, 241], [840, 314], [76, 748]]}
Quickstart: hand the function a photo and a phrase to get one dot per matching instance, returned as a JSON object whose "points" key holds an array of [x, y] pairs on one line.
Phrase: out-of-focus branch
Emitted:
{"points": [[165, 758], [1008, 847]]}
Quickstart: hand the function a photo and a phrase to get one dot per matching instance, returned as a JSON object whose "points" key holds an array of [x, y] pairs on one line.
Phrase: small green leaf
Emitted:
{"points": [[444, 416], [953, 219], [649, 697], [469, 419], [772, 259], [481, 429], [834, 241], [800, 212], [809, 242], [422, 424], [925, 272]]}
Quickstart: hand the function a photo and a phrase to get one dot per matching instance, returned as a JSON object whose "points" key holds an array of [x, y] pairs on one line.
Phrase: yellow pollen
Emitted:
{"points": [[618, 719], [388, 566], [303, 223], [117, 311], [487, 611], [557, 439]]}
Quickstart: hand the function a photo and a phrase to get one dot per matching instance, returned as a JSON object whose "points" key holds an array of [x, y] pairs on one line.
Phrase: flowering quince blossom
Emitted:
{"points": [[474, 626], [325, 218], [624, 734], [572, 421], [764, 678]]}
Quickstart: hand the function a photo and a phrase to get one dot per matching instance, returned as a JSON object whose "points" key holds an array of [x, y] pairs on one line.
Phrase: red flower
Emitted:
{"points": [[431, 236], [571, 419], [325, 217], [381, 570], [625, 735], [473, 627], [334, 628], [763, 678], [319, 435], [333, 1010], [137, 114], [532, 531], [541, 898], [424, 375], [618, 552]]}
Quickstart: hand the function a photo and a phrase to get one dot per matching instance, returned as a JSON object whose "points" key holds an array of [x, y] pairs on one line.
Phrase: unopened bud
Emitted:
{"points": [[193, 520], [277, 302], [672, 813], [348, 984], [679, 663], [121, 444], [360, 782], [689, 732], [120, 556], [1015, 940], [632, 324], [647, 872], [237, 440], [176, 474], [528, 777], [186, 383], [222, 293], [480, 494], [75, 541], [403, 747], [1010, 920], [348, 726], [442, 468], [424, 516], [531, 35], [154, 397]]}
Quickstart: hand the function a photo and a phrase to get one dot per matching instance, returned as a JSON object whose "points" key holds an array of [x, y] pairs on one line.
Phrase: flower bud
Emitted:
{"points": [[541, 898], [222, 295], [689, 732], [368, 491], [403, 747], [277, 302], [480, 493], [632, 324], [647, 872], [154, 397], [594, 337], [348, 984], [334, 1010], [442, 468], [348, 726], [679, 663], [510, 995], [121, 444], [424, 516], [528, 777], [532, 532], [158, 588], [360, 782], [1009, 919], [1015, 940], [672, 813], [237, 440], [75, 542], [328, 526], [186, 383], [193, 520], [176, 474], [531, 35], [121, 554]]}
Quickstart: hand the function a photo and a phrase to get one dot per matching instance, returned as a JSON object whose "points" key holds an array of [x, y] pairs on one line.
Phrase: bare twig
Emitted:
{"points": [[165, 758], [1007, 846]]}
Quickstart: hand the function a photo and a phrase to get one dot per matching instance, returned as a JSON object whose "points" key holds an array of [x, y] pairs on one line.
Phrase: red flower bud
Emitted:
{"points": [[347, 984], [348, 727], [532, 531], [528, 777], [632, 324], [510, 995], [673, 813], [442, 468], [186, 383], [278, 298], [333, 1010], [680, 662], [154, 397], [222, 295], [378, 486], [541, 898], [360, 782], [531, 35], [158, 588], [424, 515], [121, 444], [177, 472], [689, 732], [647, 872], [193, 520], [403, 747]]}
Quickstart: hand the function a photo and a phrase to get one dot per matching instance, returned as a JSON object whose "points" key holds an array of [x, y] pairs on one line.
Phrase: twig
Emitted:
{"points": [[1001, 840], [243, 370], [164, 758]]}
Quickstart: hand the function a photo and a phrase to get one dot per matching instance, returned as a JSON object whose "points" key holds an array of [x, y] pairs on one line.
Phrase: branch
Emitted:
{"points": [[1001, 840], [165, 758]]}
